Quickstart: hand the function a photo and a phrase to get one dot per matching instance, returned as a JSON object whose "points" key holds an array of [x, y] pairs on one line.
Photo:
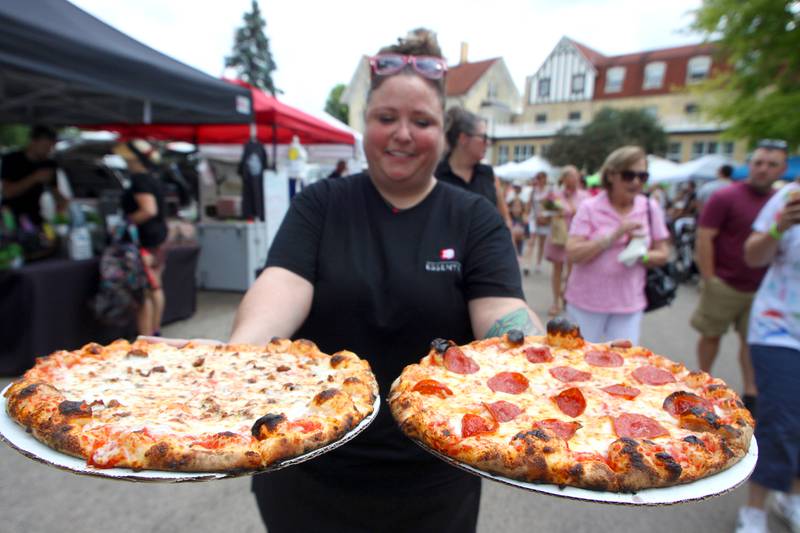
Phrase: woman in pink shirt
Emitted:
{"points": [[604, 296], [564, 203]]}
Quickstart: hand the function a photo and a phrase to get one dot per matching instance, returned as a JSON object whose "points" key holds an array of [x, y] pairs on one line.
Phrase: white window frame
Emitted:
{"points": [[675, 151], [543, 82], [491, 92], [615, 79], [654, 74], [580, 87], [502, 154], [698, 68]]}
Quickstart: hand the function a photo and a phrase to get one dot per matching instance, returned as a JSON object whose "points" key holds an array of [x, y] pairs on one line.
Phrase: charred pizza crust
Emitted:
{"points": [[198, 408], [556, 409]]}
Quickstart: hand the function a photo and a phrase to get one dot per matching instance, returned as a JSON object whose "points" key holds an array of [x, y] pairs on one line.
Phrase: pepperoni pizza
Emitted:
{"points": [[557, 409], [198, 408]]}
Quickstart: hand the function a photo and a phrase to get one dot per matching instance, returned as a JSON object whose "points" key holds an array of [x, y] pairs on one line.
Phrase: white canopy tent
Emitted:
{"points": [[702, 168], [524, 170], [660, 167]]}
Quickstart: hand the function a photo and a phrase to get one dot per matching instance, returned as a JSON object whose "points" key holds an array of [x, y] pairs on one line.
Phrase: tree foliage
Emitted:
{"points": [[334, 105], [610, 129], [759, 95], [251, 56]]}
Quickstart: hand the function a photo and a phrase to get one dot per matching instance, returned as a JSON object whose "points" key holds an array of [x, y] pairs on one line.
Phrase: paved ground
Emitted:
{"points": [[36, 498]]}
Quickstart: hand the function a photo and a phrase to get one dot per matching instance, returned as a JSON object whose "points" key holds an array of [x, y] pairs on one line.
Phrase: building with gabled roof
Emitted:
{"points": [[575, 82], [483, 87]]}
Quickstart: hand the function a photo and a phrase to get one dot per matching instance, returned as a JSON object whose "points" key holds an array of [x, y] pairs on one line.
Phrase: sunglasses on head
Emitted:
{"points": [[429, 67], [773, 144], [629, 175]]}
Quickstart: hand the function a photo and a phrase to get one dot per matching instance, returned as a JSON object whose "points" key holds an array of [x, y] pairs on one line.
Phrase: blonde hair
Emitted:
{"points": [[620, 159]]}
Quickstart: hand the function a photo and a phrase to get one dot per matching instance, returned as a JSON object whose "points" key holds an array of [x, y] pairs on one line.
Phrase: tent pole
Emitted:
{"points": [[147, 112], [274, 145]]}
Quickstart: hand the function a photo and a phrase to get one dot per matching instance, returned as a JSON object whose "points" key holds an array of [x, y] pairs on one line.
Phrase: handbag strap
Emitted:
{"points": [[649, 221]]}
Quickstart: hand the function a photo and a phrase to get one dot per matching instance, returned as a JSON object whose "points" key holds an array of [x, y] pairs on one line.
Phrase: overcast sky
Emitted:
{"points": [[317, 44]]}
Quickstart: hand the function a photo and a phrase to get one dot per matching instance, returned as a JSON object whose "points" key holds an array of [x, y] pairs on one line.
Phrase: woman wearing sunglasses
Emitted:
{"points": [[604, 295], [381, 263], [467, 141]]}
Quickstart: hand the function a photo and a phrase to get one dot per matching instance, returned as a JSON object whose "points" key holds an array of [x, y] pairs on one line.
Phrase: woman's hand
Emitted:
{"points": [[627, 227]]}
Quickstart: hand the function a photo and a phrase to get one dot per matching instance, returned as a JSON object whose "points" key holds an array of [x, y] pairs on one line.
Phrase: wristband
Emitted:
{"points": [[645, 259], [774, 232]]}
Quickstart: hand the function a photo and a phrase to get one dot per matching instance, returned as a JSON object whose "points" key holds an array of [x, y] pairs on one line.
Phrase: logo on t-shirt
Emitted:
{"points": [[445, 263]]}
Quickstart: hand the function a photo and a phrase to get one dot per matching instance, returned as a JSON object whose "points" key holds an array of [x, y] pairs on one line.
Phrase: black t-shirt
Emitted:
{"points": [[482, 179], [386, 284], [152, 232], [15, 167]]}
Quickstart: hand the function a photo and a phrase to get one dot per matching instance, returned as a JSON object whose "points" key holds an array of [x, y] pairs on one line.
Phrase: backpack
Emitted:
{"points": [[122, 282]]}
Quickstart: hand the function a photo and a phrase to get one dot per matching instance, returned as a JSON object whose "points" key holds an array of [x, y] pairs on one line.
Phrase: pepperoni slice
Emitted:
{"points": [[456, 361], [476, 425], [567, 374], [629, 393], [565, 430], [604, 359], [638, 427], [651, 375], [432, 387], [571, 402], [510, 382], [503, 411], [538, 354], [679, 402]]}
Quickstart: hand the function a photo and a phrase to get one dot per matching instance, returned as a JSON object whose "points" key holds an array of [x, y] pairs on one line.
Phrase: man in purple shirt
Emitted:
{"points": [[728, 284]]}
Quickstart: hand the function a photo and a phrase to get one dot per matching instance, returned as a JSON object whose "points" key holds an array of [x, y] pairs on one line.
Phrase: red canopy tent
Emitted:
{"points": [[276, 123]]}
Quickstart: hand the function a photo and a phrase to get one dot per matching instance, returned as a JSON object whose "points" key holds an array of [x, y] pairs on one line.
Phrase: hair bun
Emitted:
{"points": [[418, 42]]}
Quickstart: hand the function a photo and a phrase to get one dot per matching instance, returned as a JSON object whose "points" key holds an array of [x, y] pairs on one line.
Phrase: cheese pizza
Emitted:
{"points": [[557, 409], [197, 408]]}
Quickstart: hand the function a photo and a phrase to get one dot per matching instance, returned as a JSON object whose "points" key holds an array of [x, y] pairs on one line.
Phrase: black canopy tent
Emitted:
{"points": [[61, 66]]}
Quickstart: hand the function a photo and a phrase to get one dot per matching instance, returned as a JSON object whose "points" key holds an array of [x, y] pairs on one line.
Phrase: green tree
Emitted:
{"points": [[759, 94], [251, 56], [587, 148], [334, 105]]}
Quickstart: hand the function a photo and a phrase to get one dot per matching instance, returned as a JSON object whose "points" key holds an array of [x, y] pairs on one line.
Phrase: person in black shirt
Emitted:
{"points": [[381, 263], [143, 205], [340, 170], [467, 141], [26, 173]]}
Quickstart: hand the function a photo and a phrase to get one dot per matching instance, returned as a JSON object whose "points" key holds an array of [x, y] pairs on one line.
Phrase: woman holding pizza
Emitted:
{"points": [[605, 295], [381, 263]]}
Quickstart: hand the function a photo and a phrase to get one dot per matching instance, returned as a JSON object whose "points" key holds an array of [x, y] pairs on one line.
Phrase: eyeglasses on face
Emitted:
{"points": [[433, 68], [629, 175], [773, 144], [482, 136]]}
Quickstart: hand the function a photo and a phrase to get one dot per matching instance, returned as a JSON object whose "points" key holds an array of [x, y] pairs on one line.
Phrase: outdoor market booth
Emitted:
{"points": [[61, 66], [235, 240]]}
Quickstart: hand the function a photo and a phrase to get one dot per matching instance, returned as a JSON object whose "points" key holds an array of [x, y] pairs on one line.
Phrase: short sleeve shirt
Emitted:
{"points": [[482, 181], [775, 315], [387, 282], [152, 232], [15, 167], [731, 211], [604, 284]]}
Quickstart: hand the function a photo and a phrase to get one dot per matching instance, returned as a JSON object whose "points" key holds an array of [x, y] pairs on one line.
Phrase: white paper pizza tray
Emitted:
{"points": [[702, 489], [17, 438]]}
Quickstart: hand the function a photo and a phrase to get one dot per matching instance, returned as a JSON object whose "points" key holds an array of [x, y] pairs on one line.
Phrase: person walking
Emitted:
{"points": [[605, 296], [774, 341], [724, 174], [728, 284], [374, 278], [564, 204], [467, 141], [539, 221]]}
